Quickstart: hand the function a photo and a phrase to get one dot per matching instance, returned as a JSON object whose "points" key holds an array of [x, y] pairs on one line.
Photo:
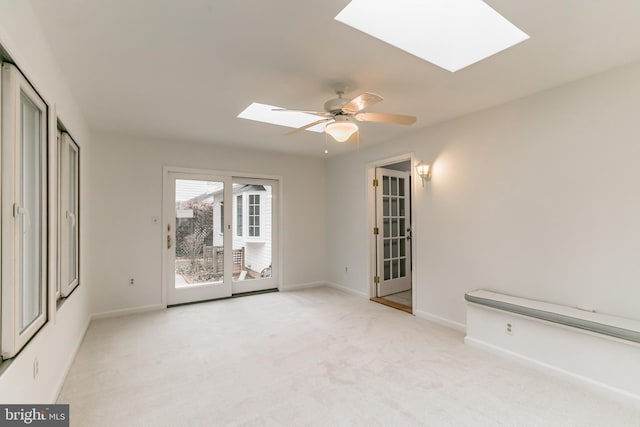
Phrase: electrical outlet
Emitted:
{"points": [[132, 281], [509, 329], [36, 368]]}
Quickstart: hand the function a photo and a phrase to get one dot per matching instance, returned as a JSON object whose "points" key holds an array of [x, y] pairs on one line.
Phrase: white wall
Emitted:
{"points": [[537, 198], [127, 181], [54, 346]]}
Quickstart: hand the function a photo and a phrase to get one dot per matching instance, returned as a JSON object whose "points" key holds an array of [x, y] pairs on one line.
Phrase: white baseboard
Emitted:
{"points": [[346, 289], [441, 320], [490, 348], [286, 288], [125, 311], [70, 360]]}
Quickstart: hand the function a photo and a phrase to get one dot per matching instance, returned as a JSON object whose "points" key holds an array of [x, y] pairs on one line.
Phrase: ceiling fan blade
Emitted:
{"points": [[386, 118], [361, 102], [310, 125], [315, 113]]}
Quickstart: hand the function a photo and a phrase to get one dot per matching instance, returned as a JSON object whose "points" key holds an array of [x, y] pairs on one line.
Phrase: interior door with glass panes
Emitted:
{"points": [[393, 227]]}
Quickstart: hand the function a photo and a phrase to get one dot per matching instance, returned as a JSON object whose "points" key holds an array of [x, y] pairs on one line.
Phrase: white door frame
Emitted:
{"points": [[277, 252], [371, 200]]}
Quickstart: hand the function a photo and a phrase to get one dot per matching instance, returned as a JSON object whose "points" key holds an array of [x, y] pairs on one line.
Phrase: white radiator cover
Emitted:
{"points": [[598, 359]]}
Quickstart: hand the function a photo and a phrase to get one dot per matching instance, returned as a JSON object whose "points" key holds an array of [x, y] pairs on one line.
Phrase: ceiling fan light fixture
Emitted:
{"points": [[342, 129]]}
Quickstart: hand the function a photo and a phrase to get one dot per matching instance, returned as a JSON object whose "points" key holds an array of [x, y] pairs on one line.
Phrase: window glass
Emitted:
{"points": [[254, 215], [73, 215], [239, 218], [29, 212]]}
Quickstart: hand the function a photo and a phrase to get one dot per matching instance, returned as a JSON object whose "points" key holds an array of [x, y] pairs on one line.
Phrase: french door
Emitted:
{"points": [[393, 241], [220, 236]]}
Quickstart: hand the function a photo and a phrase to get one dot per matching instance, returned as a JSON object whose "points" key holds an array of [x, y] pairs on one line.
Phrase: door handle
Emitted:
{"points": [[168, 241]]}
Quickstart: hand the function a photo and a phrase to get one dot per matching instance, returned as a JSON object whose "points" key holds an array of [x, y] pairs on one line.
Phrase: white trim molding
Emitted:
{"points": [[499, 351], [69, 363], [298, 286], [608, 362], [126, 311], [347, 290], [440, 320]]}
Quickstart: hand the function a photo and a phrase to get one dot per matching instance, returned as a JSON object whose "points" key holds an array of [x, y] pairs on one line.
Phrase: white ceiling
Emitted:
{"points": [[183, 70]]}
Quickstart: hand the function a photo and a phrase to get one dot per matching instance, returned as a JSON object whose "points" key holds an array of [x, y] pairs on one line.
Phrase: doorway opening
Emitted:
{"points": [[391, 248]]}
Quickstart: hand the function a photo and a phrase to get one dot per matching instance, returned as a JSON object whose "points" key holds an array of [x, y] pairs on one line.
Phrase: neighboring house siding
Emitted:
{"points": [[258, 254]]}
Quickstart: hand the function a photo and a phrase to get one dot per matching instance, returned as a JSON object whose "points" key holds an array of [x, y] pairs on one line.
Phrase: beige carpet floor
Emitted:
{"points": [[316, 357]]}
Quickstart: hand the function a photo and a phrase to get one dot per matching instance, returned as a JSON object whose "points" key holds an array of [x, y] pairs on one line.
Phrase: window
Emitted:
{"points": [[58, 141], [24, 211], [68, 164], [239, 218], [253, 224], [249, 217]]}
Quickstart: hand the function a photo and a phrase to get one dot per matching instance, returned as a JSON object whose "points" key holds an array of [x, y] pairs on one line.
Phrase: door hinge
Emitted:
{"points": [[376, 230], [376, 183], [376, 279]]}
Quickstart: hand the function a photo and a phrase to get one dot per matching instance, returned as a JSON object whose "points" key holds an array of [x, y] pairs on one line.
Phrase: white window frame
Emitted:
{"points": [[239, 215], [13, 221], [221, 223], [57, 258], [68, 220], [247, 197]]}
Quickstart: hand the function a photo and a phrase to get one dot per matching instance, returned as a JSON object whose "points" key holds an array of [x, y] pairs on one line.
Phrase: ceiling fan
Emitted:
{"points": [[339, 114]]}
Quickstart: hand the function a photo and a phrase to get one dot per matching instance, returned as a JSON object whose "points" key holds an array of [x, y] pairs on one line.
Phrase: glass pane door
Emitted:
{"points": [[221, 236], [254, 231], [199, 232], [393, 240], [197, 237]]}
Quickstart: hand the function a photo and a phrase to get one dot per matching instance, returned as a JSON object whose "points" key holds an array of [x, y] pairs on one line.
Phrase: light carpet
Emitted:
{"points": [[315, 357]]}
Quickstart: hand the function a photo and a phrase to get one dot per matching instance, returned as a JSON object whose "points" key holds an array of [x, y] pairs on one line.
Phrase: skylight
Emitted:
{"points": [[451, 34], [293, 119]]}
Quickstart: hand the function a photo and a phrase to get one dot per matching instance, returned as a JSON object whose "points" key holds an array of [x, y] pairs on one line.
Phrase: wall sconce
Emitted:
{"points": [[424, 171]]}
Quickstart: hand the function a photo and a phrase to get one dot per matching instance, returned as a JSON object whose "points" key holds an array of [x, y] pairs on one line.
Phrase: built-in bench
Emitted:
{"points": [[599, 348]]}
